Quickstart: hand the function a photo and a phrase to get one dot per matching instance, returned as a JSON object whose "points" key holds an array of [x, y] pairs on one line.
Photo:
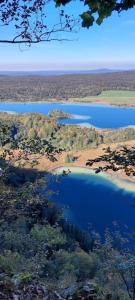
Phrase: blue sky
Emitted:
{"points": [[111, 45]]}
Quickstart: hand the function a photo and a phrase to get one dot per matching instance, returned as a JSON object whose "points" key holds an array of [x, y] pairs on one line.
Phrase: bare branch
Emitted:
{"points": [[33, 42], [30, 22]]}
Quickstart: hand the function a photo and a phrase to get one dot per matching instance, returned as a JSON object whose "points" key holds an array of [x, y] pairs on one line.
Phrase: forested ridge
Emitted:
{"points": [[39, 88]]}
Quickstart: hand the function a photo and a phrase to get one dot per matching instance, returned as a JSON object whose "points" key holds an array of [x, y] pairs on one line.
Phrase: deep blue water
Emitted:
{"points": [[89, 199], [96, 115]]}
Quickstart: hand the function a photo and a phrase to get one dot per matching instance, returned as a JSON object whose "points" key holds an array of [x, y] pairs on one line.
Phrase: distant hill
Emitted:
{"points": [[55, 72]]}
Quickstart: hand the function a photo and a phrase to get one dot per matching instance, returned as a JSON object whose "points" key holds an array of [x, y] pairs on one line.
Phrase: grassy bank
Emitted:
{"points": [[111, 97]]}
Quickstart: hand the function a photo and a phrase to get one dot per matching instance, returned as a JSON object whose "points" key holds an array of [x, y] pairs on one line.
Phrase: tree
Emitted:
{"points": [[30, 23], [98, 10], [29, 18]]}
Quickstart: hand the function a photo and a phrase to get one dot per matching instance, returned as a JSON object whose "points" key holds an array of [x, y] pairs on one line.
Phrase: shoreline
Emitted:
{"points": [[94, 101], [43, 164], [118, 182]]}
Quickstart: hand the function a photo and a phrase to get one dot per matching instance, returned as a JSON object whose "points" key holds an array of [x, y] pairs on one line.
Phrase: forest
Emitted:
{"points": [[37, 133], [42, 88], [44, 257]]}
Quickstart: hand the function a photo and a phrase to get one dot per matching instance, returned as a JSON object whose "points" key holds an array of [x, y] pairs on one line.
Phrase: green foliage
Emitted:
{"points": [[28, 30], [85, 265], [118, 94], [119, 135], [76, 138], [11, 262], [87, 19], [41, 253], [99, 10], [7, 132], [32, 133], [39, 250], [38, 133], [59, 114], [51, 236], [35, 246], [67, 159], [23, 278]]}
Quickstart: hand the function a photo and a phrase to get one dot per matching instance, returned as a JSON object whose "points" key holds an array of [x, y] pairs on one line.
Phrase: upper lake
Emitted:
{"points": [[101, 116]]}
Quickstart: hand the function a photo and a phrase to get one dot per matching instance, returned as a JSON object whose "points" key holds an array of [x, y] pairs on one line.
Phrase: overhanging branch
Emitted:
{"points": [[34, 42]]}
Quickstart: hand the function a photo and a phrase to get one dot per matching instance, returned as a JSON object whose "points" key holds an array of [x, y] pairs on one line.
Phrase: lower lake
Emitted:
{"points": [[101, 116], [96, 201]]}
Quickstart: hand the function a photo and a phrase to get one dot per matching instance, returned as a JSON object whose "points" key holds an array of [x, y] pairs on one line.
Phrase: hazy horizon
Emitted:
{"points": [[104, 69]]}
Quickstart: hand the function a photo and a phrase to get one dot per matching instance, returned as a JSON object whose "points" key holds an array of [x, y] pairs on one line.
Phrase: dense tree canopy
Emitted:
{"points": [[29, 18]]}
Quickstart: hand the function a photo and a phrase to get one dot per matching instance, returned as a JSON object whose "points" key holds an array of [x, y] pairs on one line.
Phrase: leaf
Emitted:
{"points": [[99, 21], [62, 2], [87, 19]]}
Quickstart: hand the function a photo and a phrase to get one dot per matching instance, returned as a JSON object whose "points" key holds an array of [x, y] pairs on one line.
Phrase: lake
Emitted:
{"points": [[92, 199], [89, 198], [101, 116]]}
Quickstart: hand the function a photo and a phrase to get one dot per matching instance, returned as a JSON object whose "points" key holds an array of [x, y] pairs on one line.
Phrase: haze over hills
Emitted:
{"points": [[57, 72]]}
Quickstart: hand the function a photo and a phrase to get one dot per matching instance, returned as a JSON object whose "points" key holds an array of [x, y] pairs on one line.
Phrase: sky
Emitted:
{"points": [[111, 45]]}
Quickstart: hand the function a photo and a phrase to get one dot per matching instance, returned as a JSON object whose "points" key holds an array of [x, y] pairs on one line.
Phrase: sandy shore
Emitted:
{"points": [[40, 162], [122, 184], [125, 102]]}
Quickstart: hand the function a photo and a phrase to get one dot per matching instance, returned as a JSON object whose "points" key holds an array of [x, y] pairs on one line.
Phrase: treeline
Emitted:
{"points": [[119, 135], [38, 88]]}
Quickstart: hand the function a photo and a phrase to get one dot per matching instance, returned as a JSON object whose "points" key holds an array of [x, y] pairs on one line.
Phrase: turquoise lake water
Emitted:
{"points": [[101, 116], [90, 199]]}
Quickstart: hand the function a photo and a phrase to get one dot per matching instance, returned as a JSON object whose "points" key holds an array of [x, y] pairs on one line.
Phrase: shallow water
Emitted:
{"points": [[89, 199], [101, 116]]}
